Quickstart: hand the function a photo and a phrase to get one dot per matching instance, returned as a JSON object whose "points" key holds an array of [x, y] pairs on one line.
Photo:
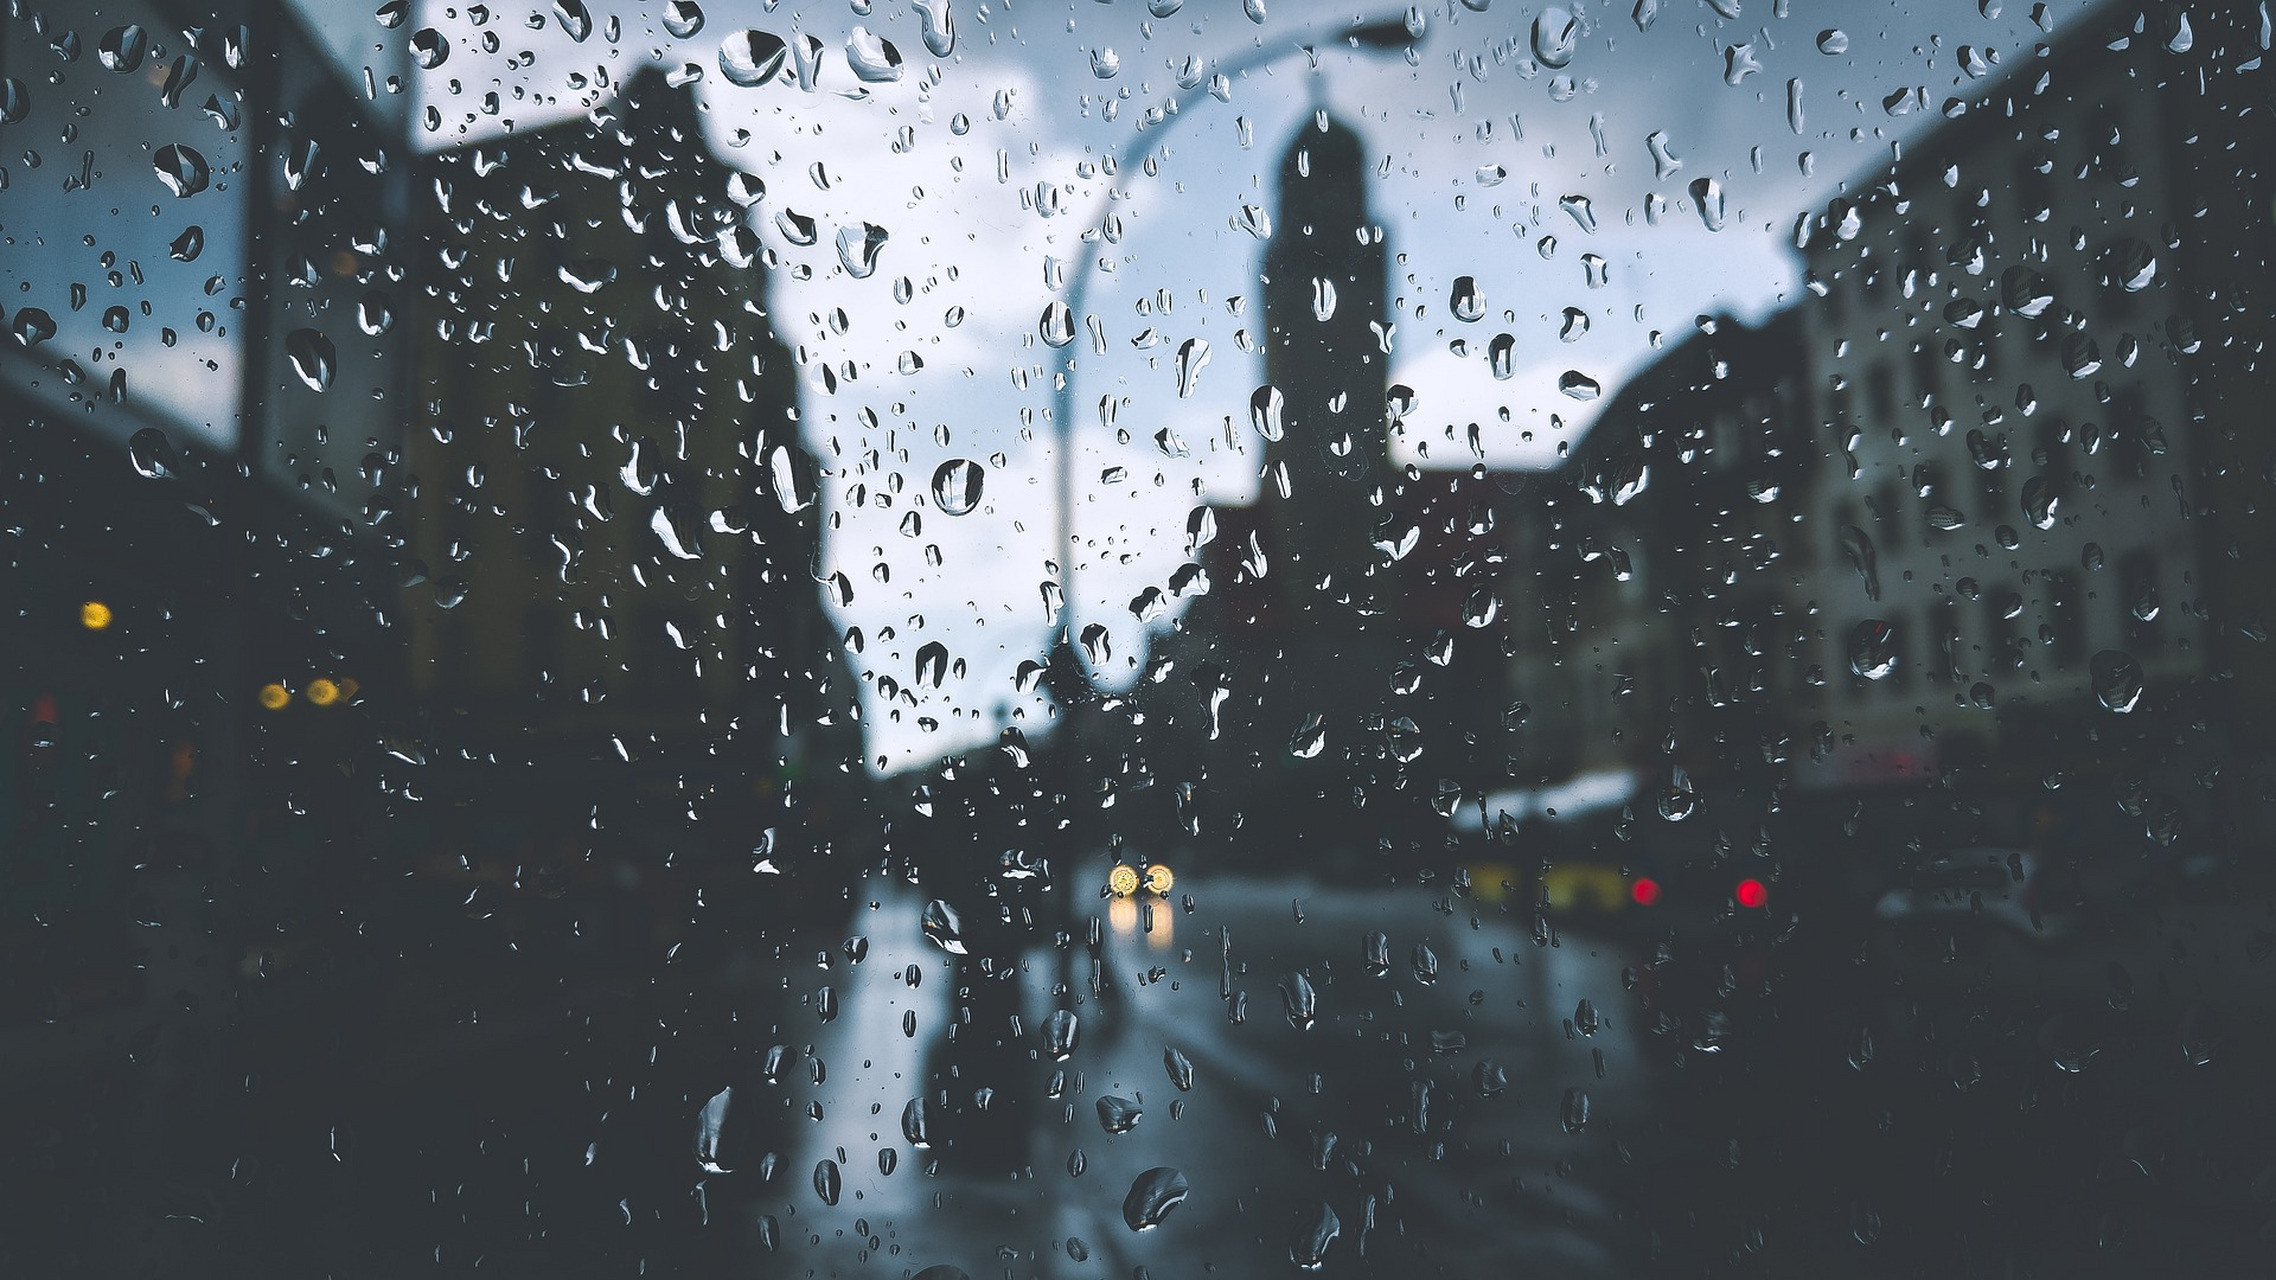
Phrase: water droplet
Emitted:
{"points": [[312, 357], [1310, 739], [858, 248], [1707, 195], [1309, 1248], [1265, 407], [1060, 1032], [1299, 1001], [1323, 298], [1501, 356], [1424, 962], [15, 102], [1833, 40], [375, 313], [827, 1181], [944, 927], [1583, 212], [1873, 649], [1665, 162], [2117, 680], [1154, 1193], [1556, 36], [913, 1124], [1739, 63], [1193, 357], [32, 326], [1574, 1111], [751, 58], [873, 58], [956, 486], [708, 1124], [683, 18], [1180, 1069], [1118, 1115], [1105, 63], [1057, 325], [183, 170], [152, 454], [1579, 385], [1375, 954], [575, 18], [429, 48], [122, 48], [1467, 300], [791, 474]]}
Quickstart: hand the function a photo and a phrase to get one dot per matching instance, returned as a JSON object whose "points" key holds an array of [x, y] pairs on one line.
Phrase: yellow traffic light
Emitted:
{"points": [[1123, 880], [274, 696], [322, 692], [95, 615], [1159, 879]]}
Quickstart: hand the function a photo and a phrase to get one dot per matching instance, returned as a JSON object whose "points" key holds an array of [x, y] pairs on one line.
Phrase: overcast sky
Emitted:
{"points": [[982, 167]]}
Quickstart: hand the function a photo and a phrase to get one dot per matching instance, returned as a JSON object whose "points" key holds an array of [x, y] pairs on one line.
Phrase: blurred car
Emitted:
{"points": [[1997, 888]]}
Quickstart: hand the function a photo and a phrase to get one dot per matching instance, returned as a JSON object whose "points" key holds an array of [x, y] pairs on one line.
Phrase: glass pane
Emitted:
{"points": [[1134, 639]]}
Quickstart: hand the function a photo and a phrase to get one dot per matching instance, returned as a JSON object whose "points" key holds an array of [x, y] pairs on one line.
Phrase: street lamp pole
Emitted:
{"points": [[1063, 676]]}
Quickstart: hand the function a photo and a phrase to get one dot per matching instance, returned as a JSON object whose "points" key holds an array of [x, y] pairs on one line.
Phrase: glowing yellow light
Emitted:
{"points": [[1123, 881], [274, 696], [1159, 879], [322, 692], [95, 615]]}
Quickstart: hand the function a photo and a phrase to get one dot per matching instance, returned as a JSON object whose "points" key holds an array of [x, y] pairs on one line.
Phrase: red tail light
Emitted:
{"points": [[1751, 893], [1645, 891]]}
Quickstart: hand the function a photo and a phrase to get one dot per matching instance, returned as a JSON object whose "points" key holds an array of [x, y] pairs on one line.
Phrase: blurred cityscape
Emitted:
{"points": [[436, 792]]}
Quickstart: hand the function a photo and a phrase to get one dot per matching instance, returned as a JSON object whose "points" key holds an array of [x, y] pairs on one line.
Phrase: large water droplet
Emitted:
{"points": [[751, 58], [1118, 1115], [1153, 1194], [683, 18], [1579, 385], [1573, 1112], [152, 454], [1057, 326], [1193, 357], [939, 26], [827, 1181], [858, 248], [575, 18], [709, 1123], [1873, 649], [1556, 36], [1266, 404], [1501, 356], [32, 326], [1309, 1247], [429, 48], [1299, 1001], [873, 58], [183, 169], [1467, 300], [956, 486], [944, 927], [1707, 195], [2117, 678], [1833, 40], [122, 48], [1179, 1067], [312, 357], [1323, 298]]}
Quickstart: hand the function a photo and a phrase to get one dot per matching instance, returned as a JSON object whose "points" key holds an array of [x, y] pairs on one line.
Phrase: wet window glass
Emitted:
{"points": [[1126, 638]]}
